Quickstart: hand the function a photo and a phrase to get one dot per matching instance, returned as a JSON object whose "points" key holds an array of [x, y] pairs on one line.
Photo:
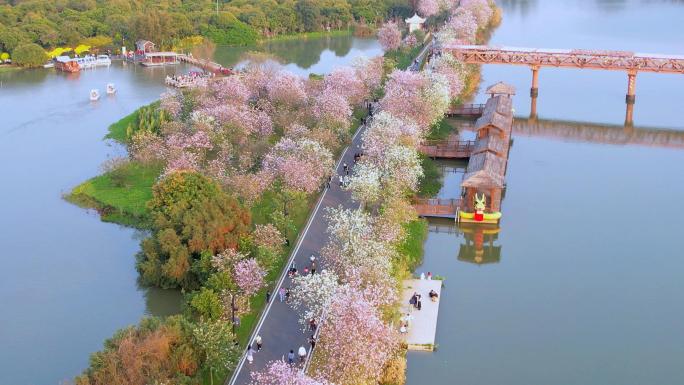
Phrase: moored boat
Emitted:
{"points": [[103, 60], [66, 64], [94, 95]]}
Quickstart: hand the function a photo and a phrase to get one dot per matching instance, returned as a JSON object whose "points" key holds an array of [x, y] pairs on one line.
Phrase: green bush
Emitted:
{"points": [[230, 31], [29, 55]]}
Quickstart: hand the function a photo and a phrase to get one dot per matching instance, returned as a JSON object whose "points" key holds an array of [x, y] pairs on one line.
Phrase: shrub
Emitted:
{"points": [[29, 55]]}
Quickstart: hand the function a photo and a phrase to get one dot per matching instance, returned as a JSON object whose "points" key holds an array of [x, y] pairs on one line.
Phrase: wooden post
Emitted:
{"points": [[631, 87], [534, 91]]}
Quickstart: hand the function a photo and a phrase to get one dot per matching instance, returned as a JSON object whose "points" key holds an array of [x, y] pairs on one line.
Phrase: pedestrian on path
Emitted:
{"points": [[290, 357], [312, 324], [258, 342], [312, 342], [250, 353], [302, 353], [312, 258], [346, 168], [341, 181], [281, 294], [313, 268], [287, 295], [268, 296], [327, 184]]}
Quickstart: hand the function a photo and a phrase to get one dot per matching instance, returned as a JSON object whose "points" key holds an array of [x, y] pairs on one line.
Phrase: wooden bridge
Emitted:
{"points": [[535, 58], [474, 110], [447, 149], [206, 65], [442, 208]]}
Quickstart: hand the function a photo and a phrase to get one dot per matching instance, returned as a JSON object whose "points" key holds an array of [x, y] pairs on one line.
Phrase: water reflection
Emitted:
{"points": [[479, 247], [302, 56]]}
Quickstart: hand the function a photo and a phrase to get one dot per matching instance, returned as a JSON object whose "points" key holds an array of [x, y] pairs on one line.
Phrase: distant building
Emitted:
{"points": [[144, 46], [415, 22]]}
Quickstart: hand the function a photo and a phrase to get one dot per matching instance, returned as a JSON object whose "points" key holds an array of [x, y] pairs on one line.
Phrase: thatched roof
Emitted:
{"points": [[493, 144], [485, 170], [497, 113], [500, 88]]}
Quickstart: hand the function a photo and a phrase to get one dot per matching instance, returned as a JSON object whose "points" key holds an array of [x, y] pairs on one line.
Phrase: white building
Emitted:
{"points": [[415, 22]]}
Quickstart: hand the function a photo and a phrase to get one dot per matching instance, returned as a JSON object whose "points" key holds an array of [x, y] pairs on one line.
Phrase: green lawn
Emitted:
{"points": [[117, 131], [412, 247], [120, 196], [404, 57]]}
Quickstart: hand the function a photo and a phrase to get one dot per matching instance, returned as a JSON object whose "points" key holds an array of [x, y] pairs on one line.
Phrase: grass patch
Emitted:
{"points": [[440, 130], [120, 195], [412, 246], [117, 131], [431, 182], [404, 58]]}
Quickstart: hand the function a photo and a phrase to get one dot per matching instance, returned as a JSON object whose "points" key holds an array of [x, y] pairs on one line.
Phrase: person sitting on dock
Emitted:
{"points": [[433, 295]]}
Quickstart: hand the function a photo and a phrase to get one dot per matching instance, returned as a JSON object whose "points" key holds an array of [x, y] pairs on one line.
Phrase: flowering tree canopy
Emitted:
{"points": [[312, 294], [356, 357], [428, 8], [269, 237], [345, 82], [286, 88], [280, 373], [480, 9], [332, 109], [364, 183], [302, 164], [370, 71], [416, 97], [249, 276], [389, 36], [453, 70]]}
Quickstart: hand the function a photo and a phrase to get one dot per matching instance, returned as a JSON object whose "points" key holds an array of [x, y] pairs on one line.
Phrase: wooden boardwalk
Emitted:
{"points": [[439, 208], [447, 149], [422, 323], [469, 110]]}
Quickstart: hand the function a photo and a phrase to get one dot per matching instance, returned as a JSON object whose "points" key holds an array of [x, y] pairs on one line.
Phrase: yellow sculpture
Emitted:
{"points": [[479, 215]]}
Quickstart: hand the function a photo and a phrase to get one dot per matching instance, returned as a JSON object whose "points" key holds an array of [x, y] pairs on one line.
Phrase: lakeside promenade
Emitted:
{"points": [[279, 325]]}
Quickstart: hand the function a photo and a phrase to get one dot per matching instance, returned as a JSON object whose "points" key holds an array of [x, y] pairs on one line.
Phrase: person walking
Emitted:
{"points": [[313, 268], [341, 181], [290, 357], [302, 353], [312, 258], [268, 296], [281, 294], [287, 295], [327, 184], [250, 354], [312, 342], [258, 343], [346, 168]]}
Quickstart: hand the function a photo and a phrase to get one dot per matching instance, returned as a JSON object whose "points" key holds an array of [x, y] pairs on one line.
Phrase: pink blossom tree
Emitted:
{"points": [[302, 165], [311, 294], [346, 82], [280, 373], [370, 71], [353, 358], [389, 36], [416, 97], [428, 8], [480, 9], [332, 110], [268, 237], [249, 276], [453, 70], [286, 89]]}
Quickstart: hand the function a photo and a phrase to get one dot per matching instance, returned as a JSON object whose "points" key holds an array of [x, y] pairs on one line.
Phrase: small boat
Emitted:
{"points": [[66, 64], [103, 60], [49, 64], [94, 95], [481, 218], [111, 90]]}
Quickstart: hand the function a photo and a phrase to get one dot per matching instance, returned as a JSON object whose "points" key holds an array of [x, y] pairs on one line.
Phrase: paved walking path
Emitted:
{"points": [[279, 326]]}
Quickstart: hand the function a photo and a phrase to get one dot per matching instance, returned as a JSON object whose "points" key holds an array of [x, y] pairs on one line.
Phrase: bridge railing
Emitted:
{"points": [[467, 109]]}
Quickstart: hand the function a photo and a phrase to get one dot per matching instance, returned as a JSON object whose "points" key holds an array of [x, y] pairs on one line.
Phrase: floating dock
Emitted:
{"points": [[422, 323]]}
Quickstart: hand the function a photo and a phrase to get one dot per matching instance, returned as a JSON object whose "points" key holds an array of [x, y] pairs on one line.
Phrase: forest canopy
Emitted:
{"points": [[54, 23]]}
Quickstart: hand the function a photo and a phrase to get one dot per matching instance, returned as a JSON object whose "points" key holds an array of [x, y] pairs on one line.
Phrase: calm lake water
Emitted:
{"points": [[69, 280], [582, 283]]}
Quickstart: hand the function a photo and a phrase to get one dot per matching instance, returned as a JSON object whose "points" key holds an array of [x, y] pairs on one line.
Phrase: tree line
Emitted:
{"points": [[54, 23]]}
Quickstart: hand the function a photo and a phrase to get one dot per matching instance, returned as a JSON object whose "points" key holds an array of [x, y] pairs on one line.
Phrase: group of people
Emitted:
{"points": [[301, 352], [189, 79]]}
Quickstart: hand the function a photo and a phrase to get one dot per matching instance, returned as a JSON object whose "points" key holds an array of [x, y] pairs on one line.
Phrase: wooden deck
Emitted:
{"points": [[422, 328], [441, 208], [448, 149]]}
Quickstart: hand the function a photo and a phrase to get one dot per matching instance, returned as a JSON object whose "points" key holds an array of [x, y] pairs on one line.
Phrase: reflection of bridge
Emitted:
{"points": [[594, 132], [535, 58], [599, 133]]}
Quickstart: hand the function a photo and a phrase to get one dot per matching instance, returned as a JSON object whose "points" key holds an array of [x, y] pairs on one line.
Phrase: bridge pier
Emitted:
{"points": [[631, 87], [534, 91], [533, 107]]}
